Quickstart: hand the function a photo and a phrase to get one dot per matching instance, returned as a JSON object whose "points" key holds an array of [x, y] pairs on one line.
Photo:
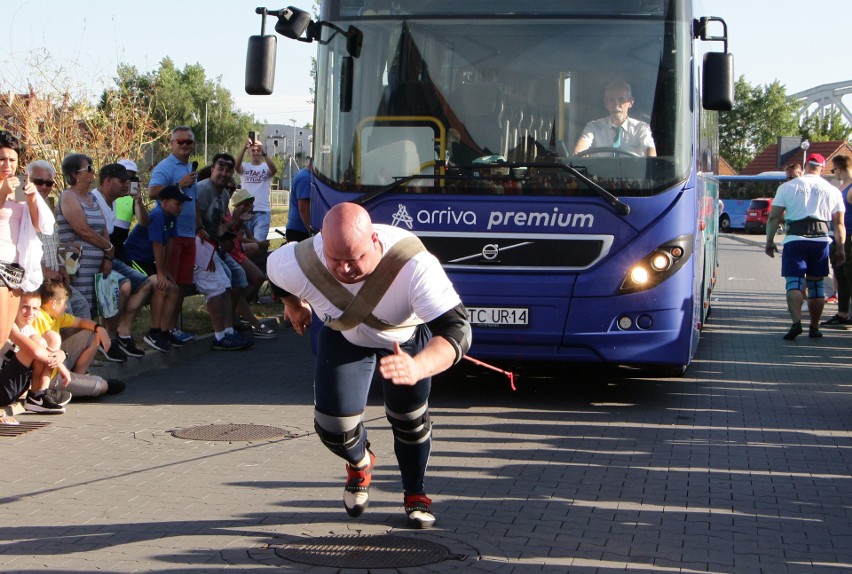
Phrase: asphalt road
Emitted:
{"points": [[742, 466]]}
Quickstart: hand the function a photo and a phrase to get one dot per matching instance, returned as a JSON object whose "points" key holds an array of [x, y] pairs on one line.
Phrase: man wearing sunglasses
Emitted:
{"points": [[176, 170], [42, 175]]}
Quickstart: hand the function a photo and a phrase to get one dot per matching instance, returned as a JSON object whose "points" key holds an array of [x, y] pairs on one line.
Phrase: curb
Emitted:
{"points": [[153, 359]]}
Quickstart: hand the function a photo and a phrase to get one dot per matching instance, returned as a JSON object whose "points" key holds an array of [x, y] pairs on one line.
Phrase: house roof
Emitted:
{"points": [[725, 168], [767, 160]]}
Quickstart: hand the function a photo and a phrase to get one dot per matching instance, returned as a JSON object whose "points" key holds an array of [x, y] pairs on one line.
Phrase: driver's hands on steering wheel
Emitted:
{"points": [[606, 150]]}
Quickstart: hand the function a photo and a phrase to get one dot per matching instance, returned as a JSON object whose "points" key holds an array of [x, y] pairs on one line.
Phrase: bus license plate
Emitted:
{"points": [[498, 316]]}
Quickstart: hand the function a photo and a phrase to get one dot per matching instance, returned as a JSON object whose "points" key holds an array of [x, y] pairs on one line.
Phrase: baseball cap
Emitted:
{"points": [[173, 192], [240, 196], [816, 159], [129, 165], [114, 170]]}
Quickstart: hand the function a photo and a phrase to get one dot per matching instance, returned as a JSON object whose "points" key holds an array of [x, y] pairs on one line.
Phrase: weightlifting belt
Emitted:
{"points": [[808, 227]]}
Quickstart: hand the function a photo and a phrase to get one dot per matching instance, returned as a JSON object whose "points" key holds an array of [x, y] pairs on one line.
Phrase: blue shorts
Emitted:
{"points": [[259, 224], [136, 278], [805, 258], [235, 272]]}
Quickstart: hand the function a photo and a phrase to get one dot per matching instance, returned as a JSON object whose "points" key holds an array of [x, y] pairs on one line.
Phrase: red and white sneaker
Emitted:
{"points": [[356, 493], [418, 507]]}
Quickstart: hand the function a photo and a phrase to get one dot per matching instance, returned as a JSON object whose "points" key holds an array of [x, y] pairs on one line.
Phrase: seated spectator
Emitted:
{"points": [[213, 202], [135, 287], [211, 280], [146, 250], [127, 207], [41, 356], [243, 203], [80, 348], [42, 175], [81, 222]]}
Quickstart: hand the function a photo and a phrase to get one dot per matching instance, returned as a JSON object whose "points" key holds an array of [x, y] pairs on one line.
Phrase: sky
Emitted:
{"points": [[769, 40]]}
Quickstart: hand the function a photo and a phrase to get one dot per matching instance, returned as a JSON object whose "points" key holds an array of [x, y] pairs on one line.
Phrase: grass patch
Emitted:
{"points": [[196, 319]]}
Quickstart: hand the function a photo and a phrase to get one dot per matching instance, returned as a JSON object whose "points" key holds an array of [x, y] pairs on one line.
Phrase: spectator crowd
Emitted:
{"points": [[77, 265]]}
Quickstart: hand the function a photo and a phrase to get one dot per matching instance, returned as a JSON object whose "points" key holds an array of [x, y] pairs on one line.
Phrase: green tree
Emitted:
{"points": [[827, 127], [187, 97], [761, 115]]}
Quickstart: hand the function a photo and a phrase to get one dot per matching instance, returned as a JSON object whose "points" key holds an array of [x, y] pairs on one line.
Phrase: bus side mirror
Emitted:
{"points": [[717, 82], [260, 64]]}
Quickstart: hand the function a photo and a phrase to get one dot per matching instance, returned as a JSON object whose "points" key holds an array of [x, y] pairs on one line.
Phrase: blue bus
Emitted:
{"points": [[458, 121], [737, 192]]}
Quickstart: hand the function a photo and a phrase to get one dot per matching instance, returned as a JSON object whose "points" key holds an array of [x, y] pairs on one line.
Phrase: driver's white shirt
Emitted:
{"points": [[635, 138], [421, 291]]}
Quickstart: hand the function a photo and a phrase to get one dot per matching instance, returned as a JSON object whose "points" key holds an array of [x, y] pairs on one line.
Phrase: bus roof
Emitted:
{"points": [[765, 176]]}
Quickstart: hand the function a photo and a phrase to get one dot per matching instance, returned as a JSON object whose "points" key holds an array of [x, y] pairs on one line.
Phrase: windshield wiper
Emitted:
{"points": [[617, 205], [374, 194]]}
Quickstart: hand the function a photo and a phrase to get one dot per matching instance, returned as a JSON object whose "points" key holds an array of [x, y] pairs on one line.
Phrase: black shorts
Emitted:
{"points": [[146, 267], [15, 379]]}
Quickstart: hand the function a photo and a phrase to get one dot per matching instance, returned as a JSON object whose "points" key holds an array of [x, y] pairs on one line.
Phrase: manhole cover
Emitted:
{"points": [[354, 551], [231, 432]]}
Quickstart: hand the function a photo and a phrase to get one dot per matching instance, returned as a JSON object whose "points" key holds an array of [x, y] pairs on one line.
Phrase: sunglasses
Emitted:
{"points": [[90, 168], [47, 182], [184, 142], [224, 164]]}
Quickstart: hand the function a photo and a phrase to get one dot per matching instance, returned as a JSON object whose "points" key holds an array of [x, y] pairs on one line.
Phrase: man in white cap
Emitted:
{"points": [[807, 204]]}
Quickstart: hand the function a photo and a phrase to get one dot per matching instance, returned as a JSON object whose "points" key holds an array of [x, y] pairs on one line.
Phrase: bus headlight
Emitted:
{"points": [[657, 266], [639, 275], [661, 260]]}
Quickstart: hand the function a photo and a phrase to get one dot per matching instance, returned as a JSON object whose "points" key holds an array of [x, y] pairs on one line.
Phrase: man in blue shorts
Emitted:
{"points": [[807, 203]]}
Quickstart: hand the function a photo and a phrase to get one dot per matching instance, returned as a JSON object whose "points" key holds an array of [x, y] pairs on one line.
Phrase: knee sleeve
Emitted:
{"points": [[816, 288], [795, 283], [338, 434], [411, 428]]}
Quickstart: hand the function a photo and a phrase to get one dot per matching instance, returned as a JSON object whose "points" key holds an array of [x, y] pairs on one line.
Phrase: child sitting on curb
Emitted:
{"points": [[23, 369], [80, 347]]}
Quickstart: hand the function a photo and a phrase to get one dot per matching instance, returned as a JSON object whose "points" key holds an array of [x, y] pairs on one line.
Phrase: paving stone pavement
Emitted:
{"points": [[742, 466]]}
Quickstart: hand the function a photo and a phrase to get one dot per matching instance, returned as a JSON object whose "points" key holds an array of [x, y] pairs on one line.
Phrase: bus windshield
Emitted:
{"points": [[482, 103]]}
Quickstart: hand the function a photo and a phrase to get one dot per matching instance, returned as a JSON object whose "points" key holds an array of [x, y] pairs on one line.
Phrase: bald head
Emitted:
{"points": [[350, 244]]}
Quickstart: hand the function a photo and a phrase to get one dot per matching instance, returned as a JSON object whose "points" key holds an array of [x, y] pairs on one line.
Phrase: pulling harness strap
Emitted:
{"points": [[808, 227], [359, 308]]}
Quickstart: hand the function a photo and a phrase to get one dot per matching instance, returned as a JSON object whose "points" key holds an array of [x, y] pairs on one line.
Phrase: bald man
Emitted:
{"points": [[418, 328]]}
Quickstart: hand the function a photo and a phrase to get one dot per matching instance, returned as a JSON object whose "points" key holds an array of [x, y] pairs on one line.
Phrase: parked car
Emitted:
{"points": [[757, 215]]}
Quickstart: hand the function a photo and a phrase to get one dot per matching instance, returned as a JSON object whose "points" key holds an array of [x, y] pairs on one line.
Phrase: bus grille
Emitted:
{"points": [[516, 251]]}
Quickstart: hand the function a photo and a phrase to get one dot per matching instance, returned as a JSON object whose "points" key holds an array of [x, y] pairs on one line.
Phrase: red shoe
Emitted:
{"points": [[356, 493], [832, 299], [418, 507]]}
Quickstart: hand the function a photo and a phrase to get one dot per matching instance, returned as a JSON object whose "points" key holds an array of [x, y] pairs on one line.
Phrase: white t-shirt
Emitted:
{"points": [[808, 195], [635, 137], [256, 179], [419, 293], [109, 212]]}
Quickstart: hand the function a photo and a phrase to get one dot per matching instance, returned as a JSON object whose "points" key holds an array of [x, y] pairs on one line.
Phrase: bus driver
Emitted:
{"points": [[617, 130]]}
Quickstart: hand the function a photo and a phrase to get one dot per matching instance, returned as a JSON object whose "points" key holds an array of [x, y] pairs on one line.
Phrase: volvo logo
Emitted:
{"points": [[491, 251]]}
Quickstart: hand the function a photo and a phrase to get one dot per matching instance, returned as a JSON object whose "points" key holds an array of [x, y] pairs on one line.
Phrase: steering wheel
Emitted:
{"points": [[599, 150]]}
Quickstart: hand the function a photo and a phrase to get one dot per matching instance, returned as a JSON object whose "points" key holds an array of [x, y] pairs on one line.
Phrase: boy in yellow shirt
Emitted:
{"points": [[80, 347]]}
